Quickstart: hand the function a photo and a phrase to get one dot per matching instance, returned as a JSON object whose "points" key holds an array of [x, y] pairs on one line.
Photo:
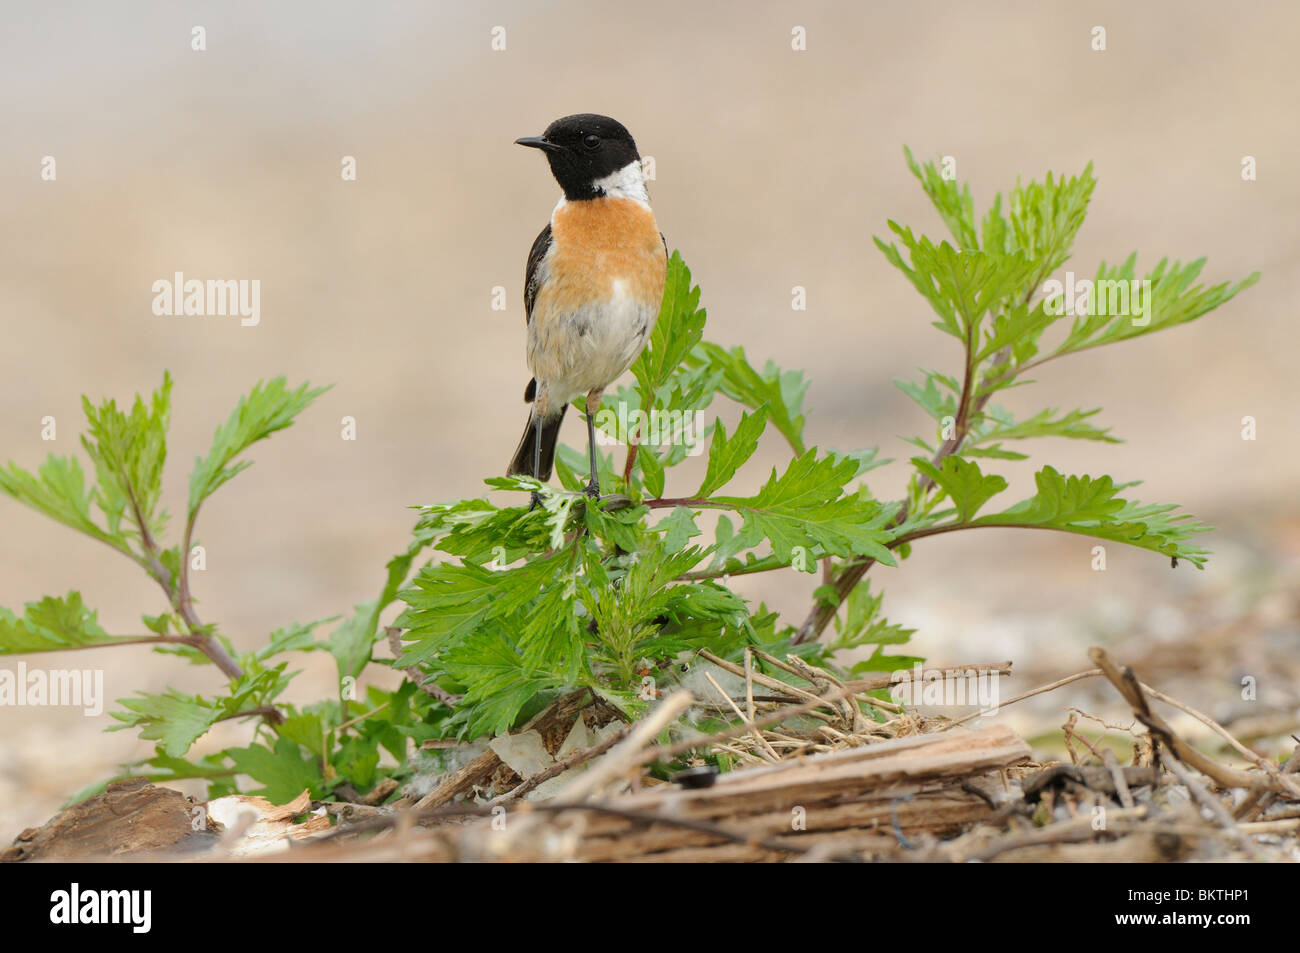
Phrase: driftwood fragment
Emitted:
{"points": [[127, 817], [846, 802]]}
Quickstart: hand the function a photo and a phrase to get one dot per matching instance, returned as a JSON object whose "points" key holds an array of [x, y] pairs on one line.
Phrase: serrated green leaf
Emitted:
{"points": [[551, 638], [50, 625], [268, 408], [963, 482], [129, 450], [781, 392], [952, 201], [1043, 219], [295, 637], [447, 601], [678, 528], [677, 331], [1091, 506], [999, 425], [961, 286], [304, 728], [351, 642], [59, 491], [176, 720], [938, 397], [1172, 300], [726, 456], [652, 471], [284, 773], [808, 506], [496, 685], [863, 625], [173, 719]]}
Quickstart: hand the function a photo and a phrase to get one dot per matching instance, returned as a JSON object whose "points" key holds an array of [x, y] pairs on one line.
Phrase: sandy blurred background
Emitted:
{"points": [[774, 169]]}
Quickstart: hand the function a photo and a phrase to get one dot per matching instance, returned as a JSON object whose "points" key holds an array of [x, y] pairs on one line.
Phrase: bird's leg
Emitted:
{"points": [[536, 499], [593, 404]]}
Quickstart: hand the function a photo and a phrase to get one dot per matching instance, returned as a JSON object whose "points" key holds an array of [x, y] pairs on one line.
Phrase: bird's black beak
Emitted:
{"points": [[539, 142]]}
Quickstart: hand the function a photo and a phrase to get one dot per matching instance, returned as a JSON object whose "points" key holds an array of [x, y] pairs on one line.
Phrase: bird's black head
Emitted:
{"points": [[585, 149]]}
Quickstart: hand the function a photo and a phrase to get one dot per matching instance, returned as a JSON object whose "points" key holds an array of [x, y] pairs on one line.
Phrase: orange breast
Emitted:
{"points": [[600, 241]]}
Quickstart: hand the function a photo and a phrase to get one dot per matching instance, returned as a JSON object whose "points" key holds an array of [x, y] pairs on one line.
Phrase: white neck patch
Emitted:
{"points": [[627, 183]]}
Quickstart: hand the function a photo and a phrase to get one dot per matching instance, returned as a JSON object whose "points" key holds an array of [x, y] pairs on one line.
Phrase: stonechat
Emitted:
{"points": [[594, 282]]}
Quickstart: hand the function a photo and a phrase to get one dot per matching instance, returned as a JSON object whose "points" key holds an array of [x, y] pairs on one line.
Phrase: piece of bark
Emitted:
{"points": [[461, 781], [846, 800], [850, 772], [843, 826], [128, 817], [253, 825]]}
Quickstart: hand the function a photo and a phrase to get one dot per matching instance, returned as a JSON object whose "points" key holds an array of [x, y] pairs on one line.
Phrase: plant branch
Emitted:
{"points": [[178, 595], [269, 712], [706, 574], [627, 467], [851, 573], [186, 604], [130, 640], [363, 716], [664, 502]]}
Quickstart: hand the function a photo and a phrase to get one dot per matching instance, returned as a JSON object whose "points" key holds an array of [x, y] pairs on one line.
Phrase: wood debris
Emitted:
{"points": [[813, 777], [128, 817]]}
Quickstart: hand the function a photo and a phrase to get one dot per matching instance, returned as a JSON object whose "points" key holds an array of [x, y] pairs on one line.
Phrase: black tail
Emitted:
{"points": [[522, 464]]}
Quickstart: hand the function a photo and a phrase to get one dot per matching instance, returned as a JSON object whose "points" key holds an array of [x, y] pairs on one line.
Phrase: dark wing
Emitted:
{"points": [[541, 245], [531, 277]]}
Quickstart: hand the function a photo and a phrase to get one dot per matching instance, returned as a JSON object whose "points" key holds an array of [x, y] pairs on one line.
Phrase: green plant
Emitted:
{"points": [[521, 606]]}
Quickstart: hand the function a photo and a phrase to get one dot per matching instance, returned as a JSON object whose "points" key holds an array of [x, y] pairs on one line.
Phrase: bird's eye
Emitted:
{"points": [[591, 142]]}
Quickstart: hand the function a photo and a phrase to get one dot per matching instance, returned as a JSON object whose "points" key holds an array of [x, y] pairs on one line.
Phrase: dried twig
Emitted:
{"points": [[461, 781], [1208, 801], [667, 752], [890, 679], [1117, 774], [749, 683], [758, 735], [1130, 688], [1050, 686], [1066, 832], [1258, 801], [765, 680], [1252, 756]]}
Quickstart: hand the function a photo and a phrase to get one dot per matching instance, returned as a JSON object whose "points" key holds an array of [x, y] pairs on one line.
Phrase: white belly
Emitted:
{"points": [[577, 352]]}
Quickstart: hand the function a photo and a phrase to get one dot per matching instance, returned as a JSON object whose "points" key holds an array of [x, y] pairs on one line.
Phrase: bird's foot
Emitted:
{"points": [[592, 489], [534, 501]]}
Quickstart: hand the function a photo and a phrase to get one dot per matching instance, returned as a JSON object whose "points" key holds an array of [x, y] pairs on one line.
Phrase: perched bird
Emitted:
{"points": [[594, 282]]}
